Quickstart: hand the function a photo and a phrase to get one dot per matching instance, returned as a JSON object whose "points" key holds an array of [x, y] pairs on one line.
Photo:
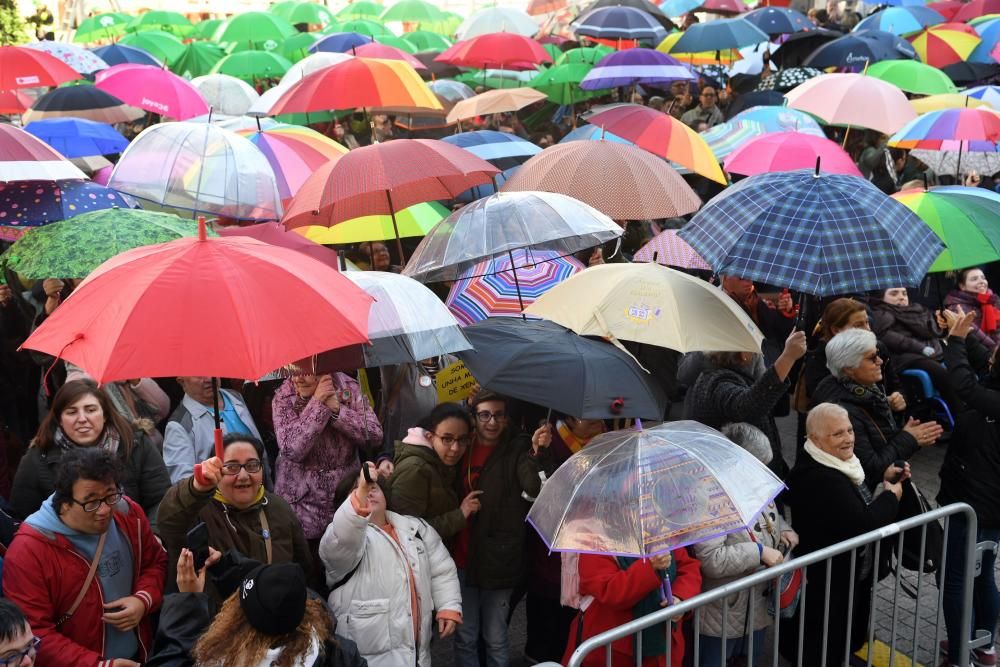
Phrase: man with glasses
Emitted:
{"points": [[86, 569], [706, 112], [18, 647]]}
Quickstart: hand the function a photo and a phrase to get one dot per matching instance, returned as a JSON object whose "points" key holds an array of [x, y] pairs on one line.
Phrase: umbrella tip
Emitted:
{"points": [[638, 424], [816, 174], [202, 232]]}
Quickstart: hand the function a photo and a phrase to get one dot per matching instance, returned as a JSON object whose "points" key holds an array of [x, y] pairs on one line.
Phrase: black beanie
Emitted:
{"points": [[273, 597]]}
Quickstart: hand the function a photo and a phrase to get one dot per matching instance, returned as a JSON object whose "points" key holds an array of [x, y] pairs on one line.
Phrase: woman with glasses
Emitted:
{"points": [[424, 481], [229, 497]]}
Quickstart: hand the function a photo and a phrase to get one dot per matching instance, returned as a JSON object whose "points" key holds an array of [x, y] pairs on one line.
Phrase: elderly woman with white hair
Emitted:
{"points": [[855, 385]]}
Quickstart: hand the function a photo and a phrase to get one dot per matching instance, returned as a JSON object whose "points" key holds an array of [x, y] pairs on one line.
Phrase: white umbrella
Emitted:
{"points": [[226, 94], [77, 57], [497, 19]]}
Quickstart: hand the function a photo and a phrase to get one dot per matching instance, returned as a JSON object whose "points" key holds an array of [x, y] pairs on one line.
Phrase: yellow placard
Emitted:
{"points": [[454, 383]]}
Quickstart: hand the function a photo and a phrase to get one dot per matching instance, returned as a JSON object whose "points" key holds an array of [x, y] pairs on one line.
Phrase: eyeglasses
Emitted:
{"points": [[485, 416], [233, 468], [872, 358], [450, 441], [94, 505], [15, 659]]}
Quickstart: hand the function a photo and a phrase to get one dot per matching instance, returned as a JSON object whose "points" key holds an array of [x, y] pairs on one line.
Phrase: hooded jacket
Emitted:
{"points": [[43, 573], [424, 487]]}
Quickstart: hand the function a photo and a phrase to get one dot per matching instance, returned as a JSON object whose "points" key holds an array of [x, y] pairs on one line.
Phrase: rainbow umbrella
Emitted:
{"points": [[489, 288], [416, 220], [294, 153], [932, 130], [945, 44]]}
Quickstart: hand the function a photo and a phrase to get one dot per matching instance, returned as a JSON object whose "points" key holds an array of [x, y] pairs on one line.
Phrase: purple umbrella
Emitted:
{"points": [[635, 66]]}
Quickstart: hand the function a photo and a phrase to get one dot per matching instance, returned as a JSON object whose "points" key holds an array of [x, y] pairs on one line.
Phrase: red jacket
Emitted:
{"points": [[616, 592], [42, 575]]}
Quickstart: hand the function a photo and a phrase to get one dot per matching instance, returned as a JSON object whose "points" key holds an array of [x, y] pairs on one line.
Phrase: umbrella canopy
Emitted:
{"points": [[545, 364], [635, 66], [859, 49], [76, 137], [988, 94], [779, 20], [642, 493], [261, 29], [725, 7], [961, 100], [913, 77], [423, 40], [88, 102], [701, 58], [651, 304], [779, 119], [965, 223], [26, 204], [198, 167], [499, 49], [642, 5], [164, 46], [822, 234], [668, 249], [21, 67], [197, 60], [491, 289], [377, 50], [252, 66], [494, 101], [309, 13], [135, 315], [120, 54], [153, 89], [501, 149], [618, 22], [983, 159], [788, 151], [172, 22], [226, 94], [661, 135], [932, 129], [361, 9], [415, 220], [339, 42], [989, 30], [945, 44], [411, 11], [296, 47], [622, 181], [796, 48], [294, 153], [901, 20], [24, 157], [971, 73], [107, 25], [370, 27], [855, 100], [273, 233], [77, 57], [75, 247], [719, 34], [977, 8], [787, 79], [561, 83], [497, 19]]}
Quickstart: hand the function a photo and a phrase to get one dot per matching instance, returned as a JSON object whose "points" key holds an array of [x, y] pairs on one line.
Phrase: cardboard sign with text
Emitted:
{"points": [[454, 383]]}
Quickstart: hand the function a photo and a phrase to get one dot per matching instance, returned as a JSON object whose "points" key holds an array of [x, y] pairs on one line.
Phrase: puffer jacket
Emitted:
{"points": [[906, 331], [373, 606], [969, 302], [424, 487], [731, 557]]}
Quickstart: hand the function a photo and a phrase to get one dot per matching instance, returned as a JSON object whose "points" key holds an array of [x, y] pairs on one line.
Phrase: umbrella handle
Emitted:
{"points": [[666, 593]]}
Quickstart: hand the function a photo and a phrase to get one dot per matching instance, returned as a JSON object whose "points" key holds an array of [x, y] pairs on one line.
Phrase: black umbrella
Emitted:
{"points": [[858, 49], [760, 98], [794, 50], [965, 72], [543, 363], [82, 101], [644, 5]]}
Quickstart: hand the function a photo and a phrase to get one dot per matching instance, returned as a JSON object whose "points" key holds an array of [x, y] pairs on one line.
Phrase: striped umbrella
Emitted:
{"points": [[668, 249], [931, 130], [946, 43], [501, 149], [490, 288], [25, 157], [294, 152], [726, 137], [416, 220], [81, 102], [635, 66]]}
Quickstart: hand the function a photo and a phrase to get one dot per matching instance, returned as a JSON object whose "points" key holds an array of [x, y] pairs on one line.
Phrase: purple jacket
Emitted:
{"points": [[315, 452]]}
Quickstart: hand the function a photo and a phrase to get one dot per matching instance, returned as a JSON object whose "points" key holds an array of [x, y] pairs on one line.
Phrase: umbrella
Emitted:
{"points": [[22, 67], [779, 20], [76, 137], [101, 26], [75, 247], [971, 73], [945, 44], [561, 83], [312, 63], [854, 100], [24, 157], [702, 58], [859, 49], [780, 119], [198, 167], [491, 288], [164, 46], [15, 101], [983, 159], [197, 60], [77, 57], [645, 492], [294, 153], [947, 101], [495, 226], [589, 55], [339, 42], [88, 102], [757, 98], [273, 233], [650, 304], [370, 27], [642, 5], [377, 50], [989, 30], [497, 19], [965, 223], [794, 50], [668, 249], [677, 8], [500, 149], [988, 94], [901, 20], [913, 77], [647, 67], [360, 9], [206, 28], [719, 34], [661, 135], [26, 204], [411, 11], [309, 13], [788, 151], [821, 234], [258, 28], [622, 181], [153, 89], [930, 130], [415, 220], [545, 364], [727, 7], [226, 94], [497, 78], [726, 137], [423, 40], [120, 54], [788, 79], [946, 8], [501, 49], [977, 8], [617, 22], [494, 101], [172, 22], [252, 66], [296, 47]]}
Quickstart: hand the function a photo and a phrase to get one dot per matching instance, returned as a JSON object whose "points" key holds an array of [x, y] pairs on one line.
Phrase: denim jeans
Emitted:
{"points": [[710, 648], [985, 597], [483, 612]]}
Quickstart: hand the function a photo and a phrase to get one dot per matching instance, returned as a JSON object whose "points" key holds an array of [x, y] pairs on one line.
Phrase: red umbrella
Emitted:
{"points": [[25, 157], [384, 178], [30, 68], [504, 50], [386, 52], [273, 233], [946, 8], [976, 8]]}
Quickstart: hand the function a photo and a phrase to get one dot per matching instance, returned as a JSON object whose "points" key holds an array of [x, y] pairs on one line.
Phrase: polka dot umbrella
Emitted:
{"points": [[26, 204]]}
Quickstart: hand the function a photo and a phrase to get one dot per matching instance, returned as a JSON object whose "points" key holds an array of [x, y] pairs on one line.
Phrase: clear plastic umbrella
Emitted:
{"points": [[641, 493], [198, 168], [226, 94]]}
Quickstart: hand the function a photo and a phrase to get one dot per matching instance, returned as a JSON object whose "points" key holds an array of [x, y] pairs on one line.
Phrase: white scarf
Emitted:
{"points": [[851, 467]]}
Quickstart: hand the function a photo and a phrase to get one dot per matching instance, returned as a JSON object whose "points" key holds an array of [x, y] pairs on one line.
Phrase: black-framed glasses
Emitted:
{"points": [[450, 441], [233, 468], [485, 416], [94, 505], [15, 659]]}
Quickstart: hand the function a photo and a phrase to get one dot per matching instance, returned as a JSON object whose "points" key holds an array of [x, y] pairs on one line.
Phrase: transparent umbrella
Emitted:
{"points": [[198, 168]]}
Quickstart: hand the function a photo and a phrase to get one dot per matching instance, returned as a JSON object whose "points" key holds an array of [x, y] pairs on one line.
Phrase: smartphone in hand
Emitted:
{"points": [[197, 542]]}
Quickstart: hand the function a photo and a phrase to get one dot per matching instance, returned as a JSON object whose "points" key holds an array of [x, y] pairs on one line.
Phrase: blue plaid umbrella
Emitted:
{"points": [[719, 35], [619, 23], [779, 20], [825, 234]]}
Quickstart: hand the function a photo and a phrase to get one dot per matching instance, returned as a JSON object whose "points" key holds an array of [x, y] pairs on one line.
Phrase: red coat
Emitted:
{"points": [[42, 574], [616, 592]]}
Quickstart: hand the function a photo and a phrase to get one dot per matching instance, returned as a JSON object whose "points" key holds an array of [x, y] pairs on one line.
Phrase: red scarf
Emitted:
{"points": [[991, 316]]}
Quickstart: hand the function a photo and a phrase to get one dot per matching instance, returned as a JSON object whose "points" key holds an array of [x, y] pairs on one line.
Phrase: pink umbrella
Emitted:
{"points": [[376, 50], [855, 100], [274, 233], [787, 151], [103, 175], [153, 89], [668, 249]]}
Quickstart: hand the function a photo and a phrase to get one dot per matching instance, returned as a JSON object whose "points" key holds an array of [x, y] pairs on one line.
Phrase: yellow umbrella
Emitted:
{"points": [[946, 101], [705, 58], [495, 101], [416, 220], [649, 303]]}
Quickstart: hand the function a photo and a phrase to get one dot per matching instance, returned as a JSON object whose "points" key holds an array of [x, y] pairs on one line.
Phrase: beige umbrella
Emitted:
{"points": [[495, 101], [652, 304]]}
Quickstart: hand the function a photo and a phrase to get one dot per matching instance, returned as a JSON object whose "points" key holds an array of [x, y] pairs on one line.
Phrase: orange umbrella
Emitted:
{"points": [[622, 181], [945, 44], [495, 101]]}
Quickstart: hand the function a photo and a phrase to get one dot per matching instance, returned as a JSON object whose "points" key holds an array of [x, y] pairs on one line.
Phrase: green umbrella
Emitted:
{"points": [[302, 12], [206, 29], [251, 66], [296, 47], [101, 26], [561, 83], [412, 11], [966, 223], [259, 28], [160, 44], [76, 246], [362, 9], [496, 78], [446, 26], [424, 40], [172, 22], [398, 42], [586, 54], [913, 77], [363, 27], [416, 220], [553, 51], [198, 59]]}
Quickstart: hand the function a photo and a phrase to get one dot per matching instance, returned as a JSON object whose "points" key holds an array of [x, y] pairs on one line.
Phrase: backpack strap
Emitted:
{"points": [[86, 582]]}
